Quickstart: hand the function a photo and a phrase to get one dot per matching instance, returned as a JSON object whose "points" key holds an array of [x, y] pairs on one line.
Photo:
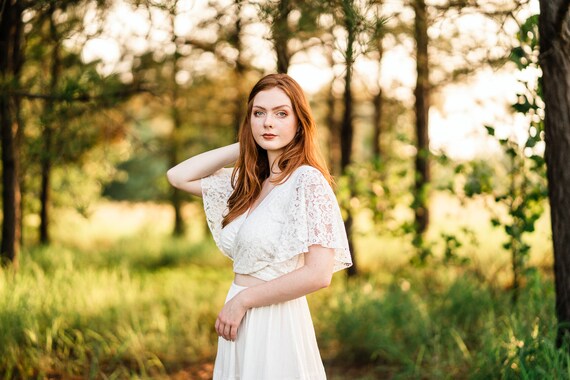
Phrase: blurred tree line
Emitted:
{"points": [[75, 127]]}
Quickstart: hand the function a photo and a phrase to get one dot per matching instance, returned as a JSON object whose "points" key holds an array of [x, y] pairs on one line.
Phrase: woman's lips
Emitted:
{"points": [[268, 136]]}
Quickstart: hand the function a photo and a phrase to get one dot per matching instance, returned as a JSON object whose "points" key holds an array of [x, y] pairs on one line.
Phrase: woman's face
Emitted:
{"points": [[273, 122]]}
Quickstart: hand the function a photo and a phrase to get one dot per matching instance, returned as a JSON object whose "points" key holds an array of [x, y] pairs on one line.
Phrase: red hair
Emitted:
{"points": [[252, 166]]}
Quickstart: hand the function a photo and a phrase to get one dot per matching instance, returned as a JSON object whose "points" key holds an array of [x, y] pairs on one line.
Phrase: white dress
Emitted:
{"points": [[275, 342]]}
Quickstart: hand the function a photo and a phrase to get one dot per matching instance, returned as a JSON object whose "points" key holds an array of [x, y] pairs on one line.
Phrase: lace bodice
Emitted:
{"points": [[271, 240]]}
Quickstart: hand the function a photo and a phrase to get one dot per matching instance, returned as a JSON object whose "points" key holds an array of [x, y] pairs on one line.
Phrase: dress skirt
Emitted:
{"points": [[275, 342]]}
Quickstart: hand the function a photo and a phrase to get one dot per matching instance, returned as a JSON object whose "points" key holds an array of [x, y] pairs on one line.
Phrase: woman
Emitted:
{"points": [[276, 217]]}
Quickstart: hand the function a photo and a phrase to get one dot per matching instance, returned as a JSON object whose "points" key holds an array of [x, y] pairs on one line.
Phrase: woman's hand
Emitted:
{"points": [[187, 174], [314, 275], [230, 318]]}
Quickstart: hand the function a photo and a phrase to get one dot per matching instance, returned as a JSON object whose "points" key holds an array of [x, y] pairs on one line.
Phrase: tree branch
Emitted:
{"points": [[81, 98]]}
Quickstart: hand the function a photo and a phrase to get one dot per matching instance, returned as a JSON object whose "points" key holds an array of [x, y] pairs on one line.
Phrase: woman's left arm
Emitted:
{"points": [[314, 275]]}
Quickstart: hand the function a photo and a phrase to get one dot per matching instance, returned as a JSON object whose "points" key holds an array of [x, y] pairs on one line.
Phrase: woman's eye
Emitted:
{"points": [[281, 114], [257, 113]]}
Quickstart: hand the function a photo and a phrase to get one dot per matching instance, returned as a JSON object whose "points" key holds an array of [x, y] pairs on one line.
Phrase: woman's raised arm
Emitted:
{"points": [[187, 174]]}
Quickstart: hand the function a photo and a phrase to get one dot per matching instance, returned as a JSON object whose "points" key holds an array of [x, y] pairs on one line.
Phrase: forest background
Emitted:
{"points": [[431, 115]]}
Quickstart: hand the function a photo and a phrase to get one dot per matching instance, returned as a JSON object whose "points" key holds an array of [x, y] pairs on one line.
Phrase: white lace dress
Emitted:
{"points": [[275, 342]]}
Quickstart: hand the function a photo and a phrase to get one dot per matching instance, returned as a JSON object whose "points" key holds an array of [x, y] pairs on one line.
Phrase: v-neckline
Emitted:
{"points": [[249, 211]]}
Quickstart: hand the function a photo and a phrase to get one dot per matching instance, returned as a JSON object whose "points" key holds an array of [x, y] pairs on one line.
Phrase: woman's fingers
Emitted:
{"points": [[229, 320], [226, 330], [233, 333], [220, 328]]}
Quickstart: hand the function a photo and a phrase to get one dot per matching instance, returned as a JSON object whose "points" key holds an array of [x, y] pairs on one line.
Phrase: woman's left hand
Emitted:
{"points": [[230, 318]]}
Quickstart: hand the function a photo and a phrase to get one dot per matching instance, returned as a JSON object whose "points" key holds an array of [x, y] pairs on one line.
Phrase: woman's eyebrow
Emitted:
{"points": [[274, 108]]}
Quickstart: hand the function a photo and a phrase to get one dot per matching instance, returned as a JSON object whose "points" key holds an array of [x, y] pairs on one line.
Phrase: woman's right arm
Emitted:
{"points": [[187, 174]]}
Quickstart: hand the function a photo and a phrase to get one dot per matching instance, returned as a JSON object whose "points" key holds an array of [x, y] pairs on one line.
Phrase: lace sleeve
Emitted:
{"points": [[216, 190], [314, 218]]}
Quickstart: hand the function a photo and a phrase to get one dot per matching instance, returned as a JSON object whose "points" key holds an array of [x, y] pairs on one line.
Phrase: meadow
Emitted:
{"points": [[115, 297]]}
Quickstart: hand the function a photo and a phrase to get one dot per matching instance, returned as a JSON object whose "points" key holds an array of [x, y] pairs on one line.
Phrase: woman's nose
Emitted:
{"points": [[268, 122]]}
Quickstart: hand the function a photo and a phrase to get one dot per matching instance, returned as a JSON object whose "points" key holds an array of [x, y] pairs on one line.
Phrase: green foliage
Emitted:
{"points": [[141, 173], [305, 26], [479, 177], [141, 176], [145, 308], [367, 325], [139, 179], [68, 124], [141, 305], [365, 187], [453, 242], [361, 21], [376, 191], [523, 196], [424, 325]]}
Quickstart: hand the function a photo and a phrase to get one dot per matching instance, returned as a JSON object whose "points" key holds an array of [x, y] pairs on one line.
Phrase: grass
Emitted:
{"points": [[71, 317], [428, 325], [119, 299]]}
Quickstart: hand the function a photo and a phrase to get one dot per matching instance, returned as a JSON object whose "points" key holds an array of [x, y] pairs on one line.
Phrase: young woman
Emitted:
{"points": [[275, 215]]}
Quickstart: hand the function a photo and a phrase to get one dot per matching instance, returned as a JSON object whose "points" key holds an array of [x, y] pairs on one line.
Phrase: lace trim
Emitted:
{"points": [[216, 190], [314, 218]]}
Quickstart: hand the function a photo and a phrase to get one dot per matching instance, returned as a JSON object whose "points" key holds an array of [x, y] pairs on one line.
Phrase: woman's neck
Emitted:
{"points": [[274, 170]]}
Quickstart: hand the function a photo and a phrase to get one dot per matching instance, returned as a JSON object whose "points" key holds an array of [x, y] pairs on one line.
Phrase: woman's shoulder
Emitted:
{"points": [[221, 173], [224, 172], [221, 180], [307, 174], [307, 170]]}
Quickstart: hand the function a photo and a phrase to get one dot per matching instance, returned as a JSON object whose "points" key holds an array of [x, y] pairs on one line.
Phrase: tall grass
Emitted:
{"points": [[142, 305], [126, 312], [430, 325]]}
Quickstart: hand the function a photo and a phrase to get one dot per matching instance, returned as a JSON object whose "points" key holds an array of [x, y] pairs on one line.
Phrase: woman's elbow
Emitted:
{"points": [[172, 177], [324, 280], [320, 263]]}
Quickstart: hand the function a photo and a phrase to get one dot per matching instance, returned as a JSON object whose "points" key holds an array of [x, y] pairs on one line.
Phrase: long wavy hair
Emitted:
{"points": [[252, 165]]}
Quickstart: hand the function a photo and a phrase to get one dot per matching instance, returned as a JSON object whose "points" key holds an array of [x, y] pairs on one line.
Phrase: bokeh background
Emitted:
{"points": [[430, 115]]}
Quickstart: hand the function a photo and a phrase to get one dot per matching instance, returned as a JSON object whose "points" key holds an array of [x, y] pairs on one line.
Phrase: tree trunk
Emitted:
{"points": [[176, 195], [347, 130], [175, 137], [10, 187], [19, 139], [378, 105], [333, 137], [49, 112], [241, 96], [346, 127], [45, 196], [179, 226], [515, 249], [422, 110], [377, 133], [554, 27], [334, 133], [10, 65], [281, 35]]}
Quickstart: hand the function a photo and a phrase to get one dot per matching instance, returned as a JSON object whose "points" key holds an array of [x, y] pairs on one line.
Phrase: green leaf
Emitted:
{"points": [[531, 142]]}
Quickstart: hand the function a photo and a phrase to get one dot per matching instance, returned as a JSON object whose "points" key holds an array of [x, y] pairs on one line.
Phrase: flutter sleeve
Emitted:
{"points": [[314, 218], [216, 190]]}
